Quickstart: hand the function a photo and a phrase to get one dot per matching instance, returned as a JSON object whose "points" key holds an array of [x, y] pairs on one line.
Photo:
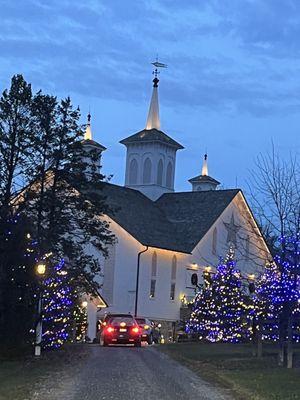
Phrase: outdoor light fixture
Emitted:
{"points": [[84, 304]]}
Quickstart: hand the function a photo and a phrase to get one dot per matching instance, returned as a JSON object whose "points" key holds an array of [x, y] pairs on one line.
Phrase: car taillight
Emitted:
{"points": [[135, 329], [109, 329]]}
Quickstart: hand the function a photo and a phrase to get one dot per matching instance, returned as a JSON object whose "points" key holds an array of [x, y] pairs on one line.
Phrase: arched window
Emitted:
{"points": [[169, 175], [160, 172], [214, 241], [147, 171], [133, 171]]}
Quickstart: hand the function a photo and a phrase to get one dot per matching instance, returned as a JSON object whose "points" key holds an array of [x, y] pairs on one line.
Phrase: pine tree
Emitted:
{"points": [[230, 323], [277, 292], [58, 302], [41, 151], [15, 140], [19, 284], [219, 313]]}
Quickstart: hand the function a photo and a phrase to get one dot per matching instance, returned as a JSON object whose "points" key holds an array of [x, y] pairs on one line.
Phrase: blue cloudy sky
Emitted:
{"points": [[232, 86]]}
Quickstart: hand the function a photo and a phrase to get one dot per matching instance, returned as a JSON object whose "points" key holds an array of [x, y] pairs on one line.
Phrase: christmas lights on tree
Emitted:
{"points": [[219, 310], [277, 294], [56, 307]]}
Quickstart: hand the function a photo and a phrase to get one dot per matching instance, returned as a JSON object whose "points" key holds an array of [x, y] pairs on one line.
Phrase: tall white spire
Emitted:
{"points": [[204, 166], [153, 121], [88, 131]]}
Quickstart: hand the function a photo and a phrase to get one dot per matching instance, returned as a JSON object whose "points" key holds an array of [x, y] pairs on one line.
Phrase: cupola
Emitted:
{"points": [[92, 150], [204, 181]]}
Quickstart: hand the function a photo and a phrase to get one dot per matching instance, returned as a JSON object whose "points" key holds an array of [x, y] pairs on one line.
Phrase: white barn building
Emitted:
{"points": [[167, 236]]}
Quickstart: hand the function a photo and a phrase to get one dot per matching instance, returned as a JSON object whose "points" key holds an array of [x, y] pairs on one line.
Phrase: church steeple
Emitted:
{"points": [[151, 153], [153, 121], [88, 131], [204, 181]]}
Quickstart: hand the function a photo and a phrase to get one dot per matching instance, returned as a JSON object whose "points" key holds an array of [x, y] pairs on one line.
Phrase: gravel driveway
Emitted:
{"points": [[119, 373]]}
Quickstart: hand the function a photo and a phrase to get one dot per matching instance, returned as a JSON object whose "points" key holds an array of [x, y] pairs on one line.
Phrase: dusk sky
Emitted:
{"points": [[232, 85]]}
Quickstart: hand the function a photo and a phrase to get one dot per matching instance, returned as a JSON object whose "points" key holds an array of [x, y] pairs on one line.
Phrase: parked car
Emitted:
{"points": [[120, 329], [147, 329]]}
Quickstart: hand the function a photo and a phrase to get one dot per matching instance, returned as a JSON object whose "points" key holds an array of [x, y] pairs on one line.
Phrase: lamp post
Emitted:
{"points": [[40, 271]]}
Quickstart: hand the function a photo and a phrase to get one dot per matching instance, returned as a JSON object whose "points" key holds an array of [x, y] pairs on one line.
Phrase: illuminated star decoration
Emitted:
{"points": [[232, 230]]}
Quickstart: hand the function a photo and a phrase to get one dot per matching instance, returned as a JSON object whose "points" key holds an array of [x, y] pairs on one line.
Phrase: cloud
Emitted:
{"points": [[222, 54]]}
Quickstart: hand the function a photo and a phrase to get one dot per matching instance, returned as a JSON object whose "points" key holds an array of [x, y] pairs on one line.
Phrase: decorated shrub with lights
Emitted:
{"points": [[219, 310]]}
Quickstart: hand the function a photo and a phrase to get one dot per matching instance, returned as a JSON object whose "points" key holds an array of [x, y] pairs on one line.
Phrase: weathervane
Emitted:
{"points": [[157, 65]]}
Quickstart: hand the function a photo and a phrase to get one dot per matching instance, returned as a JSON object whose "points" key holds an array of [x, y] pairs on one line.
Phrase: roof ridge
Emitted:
{"points": [[200, 191]]}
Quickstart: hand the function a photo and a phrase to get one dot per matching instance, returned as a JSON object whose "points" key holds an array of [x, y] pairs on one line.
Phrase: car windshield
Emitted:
{"points": [[118, 320], [141, 321]]}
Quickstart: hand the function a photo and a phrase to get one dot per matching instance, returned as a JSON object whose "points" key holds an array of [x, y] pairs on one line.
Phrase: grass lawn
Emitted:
{"points": [[19, 377], [233, 366]]}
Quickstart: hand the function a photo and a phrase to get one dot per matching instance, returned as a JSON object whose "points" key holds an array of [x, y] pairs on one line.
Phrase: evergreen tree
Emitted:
{"points": [[41, 152], [19, 288], [277, 292], [57, 304], [229, 323], [219, 313], [15, 140]]}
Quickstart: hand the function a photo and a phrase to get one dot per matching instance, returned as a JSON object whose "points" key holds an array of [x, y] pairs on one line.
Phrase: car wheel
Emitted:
{"points": [[150, 339], [137, 344]]}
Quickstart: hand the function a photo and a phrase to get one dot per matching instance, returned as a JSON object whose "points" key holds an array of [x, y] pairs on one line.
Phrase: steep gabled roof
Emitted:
{"points": [[151, 135], [193, 213], [176, 221], [140, 217]]}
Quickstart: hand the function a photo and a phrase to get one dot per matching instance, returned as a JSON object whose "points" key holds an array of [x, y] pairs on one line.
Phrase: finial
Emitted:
{"points": [[89, 118], [153, 121], [205, 167]]}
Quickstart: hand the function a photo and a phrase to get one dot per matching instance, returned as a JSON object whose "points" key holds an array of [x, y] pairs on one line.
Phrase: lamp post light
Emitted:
{"points": [[40, 271]]}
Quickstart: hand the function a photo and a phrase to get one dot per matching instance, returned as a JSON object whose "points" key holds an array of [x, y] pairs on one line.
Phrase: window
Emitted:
{"points": [[153, 275], [147, 171], [152, 288], [160, 172], [169, 176], [154, 264], [174, 267], [133, 171], [172, 291], [173, 277], [214, 241]]}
